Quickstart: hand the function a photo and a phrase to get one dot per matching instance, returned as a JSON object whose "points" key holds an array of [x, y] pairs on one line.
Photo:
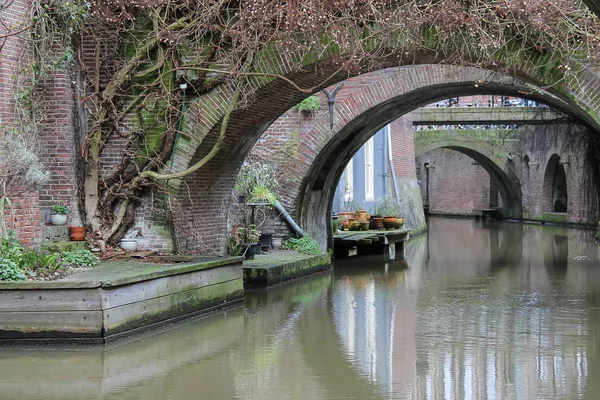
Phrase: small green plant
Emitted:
{"points": [[304, 245], [387, 206], [311, 103], [255, 175], [40, 263], [352, 205], [11, 254], [240, 237], [235, 245], [79, 258], [10, 271], [60, 209]]}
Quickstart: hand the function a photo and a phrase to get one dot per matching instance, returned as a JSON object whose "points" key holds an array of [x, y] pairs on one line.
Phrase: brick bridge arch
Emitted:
{"points": [[325, 152], [361, 115], [491, 155]]}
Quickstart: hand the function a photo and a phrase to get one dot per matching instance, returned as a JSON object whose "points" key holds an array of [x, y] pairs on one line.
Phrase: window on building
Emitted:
{"points": [[369, 171], [349, 181]]}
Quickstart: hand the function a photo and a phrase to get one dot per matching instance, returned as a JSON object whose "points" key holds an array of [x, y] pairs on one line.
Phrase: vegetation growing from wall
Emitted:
{"points": [[142, 50], [311, 103]]}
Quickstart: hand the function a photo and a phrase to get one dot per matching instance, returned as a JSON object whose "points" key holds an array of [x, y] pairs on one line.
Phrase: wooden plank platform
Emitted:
{"points": [[362, 237], [369, 242]]}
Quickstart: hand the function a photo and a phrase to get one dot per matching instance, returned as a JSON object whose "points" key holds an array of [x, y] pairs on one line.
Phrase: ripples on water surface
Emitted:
{"points": [[475, 311]]}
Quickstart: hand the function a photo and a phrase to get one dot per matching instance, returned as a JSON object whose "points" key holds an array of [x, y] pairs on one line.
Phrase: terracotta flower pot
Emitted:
{"points": [[378, 222], [389, 222], [355, 226], [361, 215], [399, 222], [77, 233]]}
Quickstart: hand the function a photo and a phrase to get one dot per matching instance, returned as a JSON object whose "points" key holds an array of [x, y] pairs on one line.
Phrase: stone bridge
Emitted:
{"points": [[200, 223], [357, 117], [367, 103], [496, 150], [486, 116]]}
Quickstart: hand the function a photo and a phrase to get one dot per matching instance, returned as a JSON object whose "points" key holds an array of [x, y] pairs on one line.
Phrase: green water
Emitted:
{"points": [[474, 311]]}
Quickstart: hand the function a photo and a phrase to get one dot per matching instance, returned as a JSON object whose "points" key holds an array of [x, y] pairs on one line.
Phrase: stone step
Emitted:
{"points": [[57, 247], [55, 233]]}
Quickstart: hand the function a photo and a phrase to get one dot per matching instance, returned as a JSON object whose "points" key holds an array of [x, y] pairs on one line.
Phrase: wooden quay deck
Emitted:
{"points": [[370, 242]]}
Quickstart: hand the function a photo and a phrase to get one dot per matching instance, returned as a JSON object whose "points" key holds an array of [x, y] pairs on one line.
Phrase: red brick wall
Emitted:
{"points": [[59, 153], [24, 215], [403, 147], [457, 185], [24, 218]]}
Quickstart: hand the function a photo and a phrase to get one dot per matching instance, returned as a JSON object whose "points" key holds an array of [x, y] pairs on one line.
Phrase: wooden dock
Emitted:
{"points": [[370, 242]]}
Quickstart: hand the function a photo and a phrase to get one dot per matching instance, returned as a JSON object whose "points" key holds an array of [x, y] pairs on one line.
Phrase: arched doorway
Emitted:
{"points": [[555, 186]]}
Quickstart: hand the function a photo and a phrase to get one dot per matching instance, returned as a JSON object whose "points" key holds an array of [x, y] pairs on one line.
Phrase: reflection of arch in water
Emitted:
{"points": [[555, 186], [556, 256], [324, 354], [506, 244]]}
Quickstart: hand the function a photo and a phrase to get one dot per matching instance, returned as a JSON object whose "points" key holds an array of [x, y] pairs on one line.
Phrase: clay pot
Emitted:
{"points": [[378, 222], [399, 222], [355, 226], [389, 222], [361, 215], [345, 225], [76, 233], [364, 226]]}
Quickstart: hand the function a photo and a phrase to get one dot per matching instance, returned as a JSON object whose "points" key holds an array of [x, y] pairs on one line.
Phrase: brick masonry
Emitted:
{"points": [[458, 185], [203, 198]]}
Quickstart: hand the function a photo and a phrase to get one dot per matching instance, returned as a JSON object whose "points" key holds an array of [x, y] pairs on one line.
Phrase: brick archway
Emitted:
{"points": [[324, 151], [503, 170]]}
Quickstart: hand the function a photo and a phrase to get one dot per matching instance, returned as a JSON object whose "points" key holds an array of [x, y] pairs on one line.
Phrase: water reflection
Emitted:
{"points": [[473, 311]]}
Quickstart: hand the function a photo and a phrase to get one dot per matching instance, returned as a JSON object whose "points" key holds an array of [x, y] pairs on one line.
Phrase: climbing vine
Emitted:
{"points": [[131, 56]]}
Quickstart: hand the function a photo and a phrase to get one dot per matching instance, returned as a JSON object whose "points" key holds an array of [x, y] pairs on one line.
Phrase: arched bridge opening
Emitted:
{"points": [[502, 166], [325, 153]]}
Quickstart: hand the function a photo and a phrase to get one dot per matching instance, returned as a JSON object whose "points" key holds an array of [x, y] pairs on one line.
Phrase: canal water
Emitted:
{"points": [[475, 310]]}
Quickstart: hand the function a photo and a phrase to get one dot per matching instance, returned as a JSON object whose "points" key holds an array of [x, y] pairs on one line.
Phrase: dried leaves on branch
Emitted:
{"points": [[134, 53]]}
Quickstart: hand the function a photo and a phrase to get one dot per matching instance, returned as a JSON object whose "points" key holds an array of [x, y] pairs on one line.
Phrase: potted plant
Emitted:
{"points": [[388, 209], [58, 214], [244, 241], [253, 236]]}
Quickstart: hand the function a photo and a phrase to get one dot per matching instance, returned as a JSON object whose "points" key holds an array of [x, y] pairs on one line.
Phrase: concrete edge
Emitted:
{"points": [[170, 269], [174, 269]]}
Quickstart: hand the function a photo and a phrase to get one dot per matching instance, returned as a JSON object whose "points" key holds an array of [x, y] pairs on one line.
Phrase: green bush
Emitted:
{"points": [[304, 245], [79, 258]]}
